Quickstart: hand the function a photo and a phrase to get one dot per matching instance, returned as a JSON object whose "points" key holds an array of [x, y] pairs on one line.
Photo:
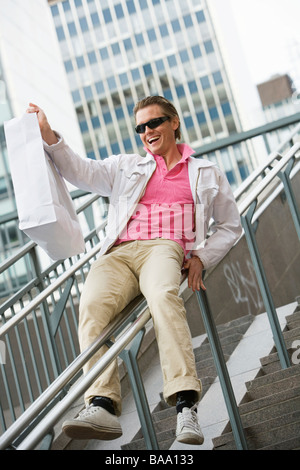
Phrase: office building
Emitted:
{"points": [[115, 52]]}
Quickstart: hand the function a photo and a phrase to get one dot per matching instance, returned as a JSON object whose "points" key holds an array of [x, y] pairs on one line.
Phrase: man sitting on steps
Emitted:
{"points": [[160, 208]]}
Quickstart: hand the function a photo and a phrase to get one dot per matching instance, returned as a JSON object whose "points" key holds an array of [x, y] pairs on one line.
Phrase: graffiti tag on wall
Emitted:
{"points": [[244, 288]]}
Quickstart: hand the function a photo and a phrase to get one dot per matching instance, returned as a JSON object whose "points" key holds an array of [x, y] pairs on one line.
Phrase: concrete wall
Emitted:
{"points": [[232, 287]]}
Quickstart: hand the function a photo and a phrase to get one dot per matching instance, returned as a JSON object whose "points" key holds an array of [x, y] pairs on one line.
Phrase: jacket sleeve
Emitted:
{"points": [[226, 228], [96, 176]]}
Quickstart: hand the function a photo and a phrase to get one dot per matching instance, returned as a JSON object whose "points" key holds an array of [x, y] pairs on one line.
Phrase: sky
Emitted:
{"points": [[270, 36]]}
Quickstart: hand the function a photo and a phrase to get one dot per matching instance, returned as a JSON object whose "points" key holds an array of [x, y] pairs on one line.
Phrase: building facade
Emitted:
{"points": [[116, 52]]}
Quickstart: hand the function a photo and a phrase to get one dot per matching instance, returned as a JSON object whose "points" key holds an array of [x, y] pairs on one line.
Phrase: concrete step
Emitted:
{"points": [[270, 409], [266, 385], [269, 435], [165, 419]]}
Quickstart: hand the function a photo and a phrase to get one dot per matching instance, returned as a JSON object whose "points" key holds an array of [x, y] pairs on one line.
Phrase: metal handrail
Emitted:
{"points": [[243, 206], [35, 436], [265, 164], [76, 391], [82, 261], [62, 380], [71, 370]]}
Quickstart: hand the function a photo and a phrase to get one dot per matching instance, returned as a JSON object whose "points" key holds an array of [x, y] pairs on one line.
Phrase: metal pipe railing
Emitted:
{"points": [[76, 391], [60, 381], [64, 378]]}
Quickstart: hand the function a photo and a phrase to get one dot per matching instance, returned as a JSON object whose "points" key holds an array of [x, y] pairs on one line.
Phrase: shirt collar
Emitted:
{"points": [[185, 150]]}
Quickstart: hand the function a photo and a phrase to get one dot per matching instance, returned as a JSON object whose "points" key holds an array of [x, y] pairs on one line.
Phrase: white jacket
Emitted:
{"points": [[123, 178]]}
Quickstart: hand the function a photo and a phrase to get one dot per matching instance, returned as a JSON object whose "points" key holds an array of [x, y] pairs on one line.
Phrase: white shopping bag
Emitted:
{"points": [[45, 208]]}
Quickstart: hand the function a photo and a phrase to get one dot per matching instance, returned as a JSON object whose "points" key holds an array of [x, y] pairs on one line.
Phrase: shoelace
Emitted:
{"points": [[89, 410], [189, 420]]}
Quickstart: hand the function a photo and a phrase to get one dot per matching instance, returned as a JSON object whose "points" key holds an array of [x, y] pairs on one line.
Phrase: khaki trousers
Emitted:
{"points": [[152, 267]]}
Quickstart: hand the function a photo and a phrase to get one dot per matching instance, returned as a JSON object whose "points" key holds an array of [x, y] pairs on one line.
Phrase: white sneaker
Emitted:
{"points": [[94, 422], [188, 430]]}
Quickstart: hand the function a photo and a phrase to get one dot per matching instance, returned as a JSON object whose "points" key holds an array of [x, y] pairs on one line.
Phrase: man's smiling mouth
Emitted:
{"points": [[152, 140]]}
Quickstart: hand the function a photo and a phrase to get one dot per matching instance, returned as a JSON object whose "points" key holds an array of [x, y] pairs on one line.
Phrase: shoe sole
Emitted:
{"points": [[88, 431], [190, 438]]}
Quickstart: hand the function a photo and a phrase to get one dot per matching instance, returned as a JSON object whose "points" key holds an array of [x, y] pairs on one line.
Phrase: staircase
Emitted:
{"points": [[164, 417], [270, 409]]}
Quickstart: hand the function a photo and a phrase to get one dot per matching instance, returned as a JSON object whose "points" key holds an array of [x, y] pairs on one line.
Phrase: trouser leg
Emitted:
{"points": [[160, 275], [109, 287]]}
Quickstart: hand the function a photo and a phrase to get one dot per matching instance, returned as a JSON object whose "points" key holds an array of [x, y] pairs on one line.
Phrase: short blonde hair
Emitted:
{"points": [[167, 107]]}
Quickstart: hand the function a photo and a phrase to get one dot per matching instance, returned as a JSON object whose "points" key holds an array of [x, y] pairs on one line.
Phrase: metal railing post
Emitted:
{"points": [[129, 356], [220, 363], [285, 178], [264, 287]]}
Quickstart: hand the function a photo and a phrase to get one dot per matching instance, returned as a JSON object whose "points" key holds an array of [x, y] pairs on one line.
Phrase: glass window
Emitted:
{"points": [[107, 15], [103, 152], [91, 155], [130, 6], [139, 39], [180, 91], [76, 96], [88, 92], [143, 4], [107, 117], [95, 122], [112, 83], [176, 26], [103, 53], [135, 74], [115, 48], [193, 86], [99, 87], [72, 29], [78, 3], [66, 5], [196, 51], [83, 24], [151, 34], [200, 16], [226, 109], [83, 126], [60, 33], [68, 66], [201, 117], [127, 44], [188, 21], [188, 122], [80, 62], [163, 30], [95, 19], [205, 83], [115, 148], [54, 10], [217, 76], [119, 10], [159, 65], [213, 112], [168, 94], [127, 145], [184, 56], [172, 61], [92, 57], [208, 47], [119, 113], [124, 78], [147, 69]]}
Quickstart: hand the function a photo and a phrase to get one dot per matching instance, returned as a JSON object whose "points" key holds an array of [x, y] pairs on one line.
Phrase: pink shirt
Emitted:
{"points": [[166, 210]]}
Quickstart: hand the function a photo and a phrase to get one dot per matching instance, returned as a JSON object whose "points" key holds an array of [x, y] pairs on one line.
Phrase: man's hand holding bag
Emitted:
{"points": [[45, 208]]}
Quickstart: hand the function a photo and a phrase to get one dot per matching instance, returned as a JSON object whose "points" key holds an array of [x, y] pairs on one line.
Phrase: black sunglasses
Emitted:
{"points": [[152, 124]]}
